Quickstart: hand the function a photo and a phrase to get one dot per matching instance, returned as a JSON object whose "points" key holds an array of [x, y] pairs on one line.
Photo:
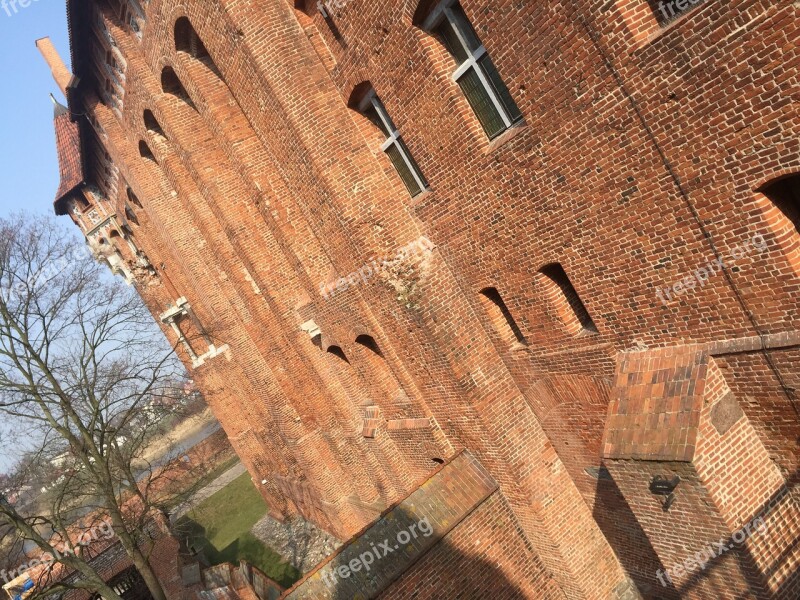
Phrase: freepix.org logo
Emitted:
{"points": [[700, 276], [101, 531], [713, 550], [379, 551], [12, 6]]}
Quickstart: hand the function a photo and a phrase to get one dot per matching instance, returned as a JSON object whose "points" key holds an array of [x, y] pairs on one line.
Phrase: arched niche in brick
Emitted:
{"points": [[379, 371], [784, 196], [130, 213], [151, 123], [500, 316], [133, 198], [338, 353], [145, 152], [188, 42], [367, 341], [302, 6], [779, 200], [564, 300], [172, 85]]}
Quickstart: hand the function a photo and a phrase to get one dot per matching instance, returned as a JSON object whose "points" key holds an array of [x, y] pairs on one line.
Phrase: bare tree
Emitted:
{"points": [[80, 361]]}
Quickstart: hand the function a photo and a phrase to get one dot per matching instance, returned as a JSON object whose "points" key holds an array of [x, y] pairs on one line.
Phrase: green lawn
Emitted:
{"points": [[203, 481], [221, 524]]}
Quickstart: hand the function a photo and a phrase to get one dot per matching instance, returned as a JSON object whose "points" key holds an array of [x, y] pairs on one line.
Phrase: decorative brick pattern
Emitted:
{"points": [[372, 420], [406, 424], [655, 411]]}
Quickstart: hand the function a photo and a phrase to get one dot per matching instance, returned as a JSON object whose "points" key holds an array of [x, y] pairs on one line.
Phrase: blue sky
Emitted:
{"points": [[28, 163]]}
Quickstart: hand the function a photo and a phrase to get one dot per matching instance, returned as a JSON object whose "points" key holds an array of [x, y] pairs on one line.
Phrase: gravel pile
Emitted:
{"points": [[299, 542]]}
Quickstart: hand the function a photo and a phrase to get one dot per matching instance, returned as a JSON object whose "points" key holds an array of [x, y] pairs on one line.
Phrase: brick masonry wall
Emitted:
{"points": [[474, 560], [639, 160]]}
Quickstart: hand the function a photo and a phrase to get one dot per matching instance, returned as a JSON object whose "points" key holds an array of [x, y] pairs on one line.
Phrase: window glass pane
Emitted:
{"points": [[512, 111], [465, 27], [393, 152], [414, 164], [452, 42], [381, 109], [481, 103], [372, 115]]}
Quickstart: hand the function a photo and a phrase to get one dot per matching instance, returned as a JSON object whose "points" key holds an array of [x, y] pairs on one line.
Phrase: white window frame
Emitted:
{"points": [[444, 11], [371, 100], [136, 15]]}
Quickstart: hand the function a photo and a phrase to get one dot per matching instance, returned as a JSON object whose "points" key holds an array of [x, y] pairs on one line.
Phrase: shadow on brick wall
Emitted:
{"points": [[757, 578], [629, 541], [641, 562], [509, 572]]}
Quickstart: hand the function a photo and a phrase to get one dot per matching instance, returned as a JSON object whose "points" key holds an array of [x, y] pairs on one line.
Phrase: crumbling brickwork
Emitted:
{"points": [[604, 296]]}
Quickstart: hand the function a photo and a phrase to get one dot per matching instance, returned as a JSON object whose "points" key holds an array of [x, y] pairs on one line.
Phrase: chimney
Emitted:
{"points": [[59, 70]]}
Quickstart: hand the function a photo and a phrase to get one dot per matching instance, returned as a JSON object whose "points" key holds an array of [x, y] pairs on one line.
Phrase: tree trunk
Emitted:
{"points": [[146, 571], [132, 550], [97, 584], [105, 591]]}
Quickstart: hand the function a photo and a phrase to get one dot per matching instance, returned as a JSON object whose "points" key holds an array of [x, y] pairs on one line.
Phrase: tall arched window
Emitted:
{"points": [[564, 300], [785, 196], [392, 143], [499, 315], [475, 72]]}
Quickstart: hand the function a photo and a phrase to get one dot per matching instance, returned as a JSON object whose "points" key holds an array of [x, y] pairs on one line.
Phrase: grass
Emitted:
{"points": [[220, 526], [218, 470], [203, 481]]}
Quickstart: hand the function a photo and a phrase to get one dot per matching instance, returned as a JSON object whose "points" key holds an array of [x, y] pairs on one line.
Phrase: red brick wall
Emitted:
{"points": [[472, 559], [639, 161]]}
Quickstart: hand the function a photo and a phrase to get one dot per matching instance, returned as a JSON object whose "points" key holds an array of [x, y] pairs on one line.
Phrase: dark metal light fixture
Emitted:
{"points": [[661, 486]]}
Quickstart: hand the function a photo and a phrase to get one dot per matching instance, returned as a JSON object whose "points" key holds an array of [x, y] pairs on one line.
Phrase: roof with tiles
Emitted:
{"points": [[70, 166]]}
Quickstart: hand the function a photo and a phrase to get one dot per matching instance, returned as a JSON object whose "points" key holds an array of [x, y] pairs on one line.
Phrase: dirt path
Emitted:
{"points": [[208, 491]]}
